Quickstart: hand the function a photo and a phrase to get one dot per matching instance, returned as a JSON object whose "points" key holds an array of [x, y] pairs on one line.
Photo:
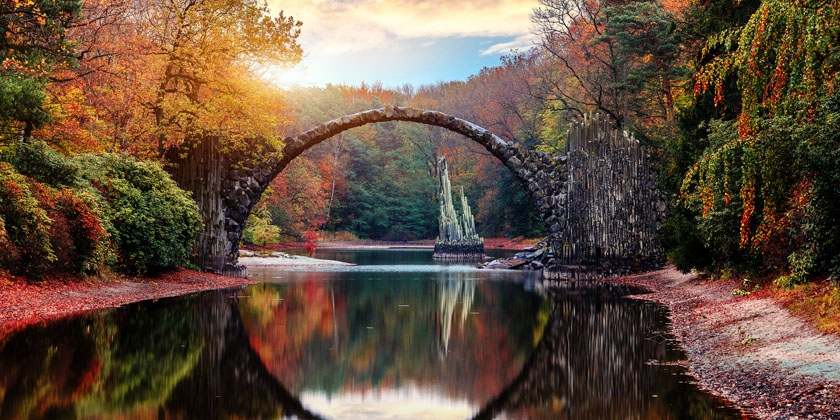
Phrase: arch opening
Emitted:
{"points": [[540, 175]]}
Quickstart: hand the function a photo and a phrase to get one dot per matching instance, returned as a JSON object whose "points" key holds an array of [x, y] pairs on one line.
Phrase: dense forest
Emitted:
{"points": [[736, 100]]}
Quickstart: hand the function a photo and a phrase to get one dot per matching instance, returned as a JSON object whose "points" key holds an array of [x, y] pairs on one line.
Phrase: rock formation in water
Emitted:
{"points": [[457, 237]]}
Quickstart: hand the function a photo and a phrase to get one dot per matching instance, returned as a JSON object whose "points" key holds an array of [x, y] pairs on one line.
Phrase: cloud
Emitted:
{"points": [[397, 42], [521, 43], [335, 27]]}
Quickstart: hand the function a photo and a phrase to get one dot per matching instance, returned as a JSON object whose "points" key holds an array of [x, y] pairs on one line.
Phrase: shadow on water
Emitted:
{"points": [[270, 350]]}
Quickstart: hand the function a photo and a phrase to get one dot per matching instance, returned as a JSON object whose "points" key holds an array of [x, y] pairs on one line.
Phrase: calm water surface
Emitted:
{"points": [[396, 336]]}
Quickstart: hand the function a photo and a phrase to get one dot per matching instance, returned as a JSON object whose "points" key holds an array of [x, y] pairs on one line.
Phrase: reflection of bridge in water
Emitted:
{"points": [[578, 369], [592, 361], [230, 379]]}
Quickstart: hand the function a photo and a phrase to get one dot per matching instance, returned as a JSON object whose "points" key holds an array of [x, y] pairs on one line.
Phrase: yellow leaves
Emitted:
{"points": [[16, 5]]}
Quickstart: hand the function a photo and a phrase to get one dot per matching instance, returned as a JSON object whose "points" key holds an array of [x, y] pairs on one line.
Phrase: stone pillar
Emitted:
{"points": [[457, 238]]}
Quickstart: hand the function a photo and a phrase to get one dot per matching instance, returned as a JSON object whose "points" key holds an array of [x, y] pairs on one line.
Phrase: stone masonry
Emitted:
{"points": [[545, 178], [541, 174]]}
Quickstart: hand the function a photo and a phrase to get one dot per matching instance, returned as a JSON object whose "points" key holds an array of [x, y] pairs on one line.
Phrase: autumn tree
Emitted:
{"points": [[644, 34], [503, 100], [617, 58], [199, 46], [587, 76], [32, 41], [296, 200], [154, 74], [768, 168]]}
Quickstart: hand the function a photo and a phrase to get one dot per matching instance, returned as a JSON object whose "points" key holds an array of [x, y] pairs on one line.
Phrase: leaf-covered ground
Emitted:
{"points": [[25, 303], [750, 349]]}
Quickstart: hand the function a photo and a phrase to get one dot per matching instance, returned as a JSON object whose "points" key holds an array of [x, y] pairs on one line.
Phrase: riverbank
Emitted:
{"points": [[24, 304], [749, 349]]}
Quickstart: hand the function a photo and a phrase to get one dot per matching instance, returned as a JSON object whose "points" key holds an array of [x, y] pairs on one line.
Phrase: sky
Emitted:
{"points": [[396, 42]]}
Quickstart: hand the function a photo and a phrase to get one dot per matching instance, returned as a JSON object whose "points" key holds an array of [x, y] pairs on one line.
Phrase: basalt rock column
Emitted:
{"points": [[614, 208], [457, 238]]}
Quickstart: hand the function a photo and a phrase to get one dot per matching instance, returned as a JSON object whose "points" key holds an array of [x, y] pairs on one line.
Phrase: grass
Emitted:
{"points": [[817, 302], [342, 236]]}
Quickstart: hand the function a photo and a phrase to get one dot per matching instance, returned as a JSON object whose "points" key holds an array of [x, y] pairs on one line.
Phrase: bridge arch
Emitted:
{"points": [[240, 189]]}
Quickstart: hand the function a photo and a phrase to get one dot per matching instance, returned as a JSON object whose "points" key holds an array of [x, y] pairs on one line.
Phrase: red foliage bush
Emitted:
{"points": [[88, 236], [46, 230], [27, 226], [310, 236], [8, 251]]}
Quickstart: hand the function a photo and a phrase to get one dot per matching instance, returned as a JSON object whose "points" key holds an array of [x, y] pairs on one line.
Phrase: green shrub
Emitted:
{"points": [[258, 229], [153, 221], [77, 238], [38, 161], [683, 242], [819, 228], [81, 215]]}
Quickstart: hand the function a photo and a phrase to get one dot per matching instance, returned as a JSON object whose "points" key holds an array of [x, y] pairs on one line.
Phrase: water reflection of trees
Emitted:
{"points": [[217, 356], [384, 334], [146, 361]]}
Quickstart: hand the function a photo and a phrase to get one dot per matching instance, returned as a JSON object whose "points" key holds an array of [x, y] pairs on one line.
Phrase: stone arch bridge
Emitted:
{"points": [[228, 185]]}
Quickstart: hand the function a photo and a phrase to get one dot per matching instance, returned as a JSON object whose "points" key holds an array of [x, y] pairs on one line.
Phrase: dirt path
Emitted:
{"points": [[750, 350]]}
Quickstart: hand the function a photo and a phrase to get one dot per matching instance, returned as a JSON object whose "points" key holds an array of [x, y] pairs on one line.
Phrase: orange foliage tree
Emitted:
{"points": [[618, 59], [32, 42], [154, 74]]}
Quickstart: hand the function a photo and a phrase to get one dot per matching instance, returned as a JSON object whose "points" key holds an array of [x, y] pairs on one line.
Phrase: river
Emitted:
{"points": [[395, 336]]}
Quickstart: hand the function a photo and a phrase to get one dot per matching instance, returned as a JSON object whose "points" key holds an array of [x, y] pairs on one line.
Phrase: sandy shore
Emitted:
{"points": [[286, 260], [750, 349]]}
